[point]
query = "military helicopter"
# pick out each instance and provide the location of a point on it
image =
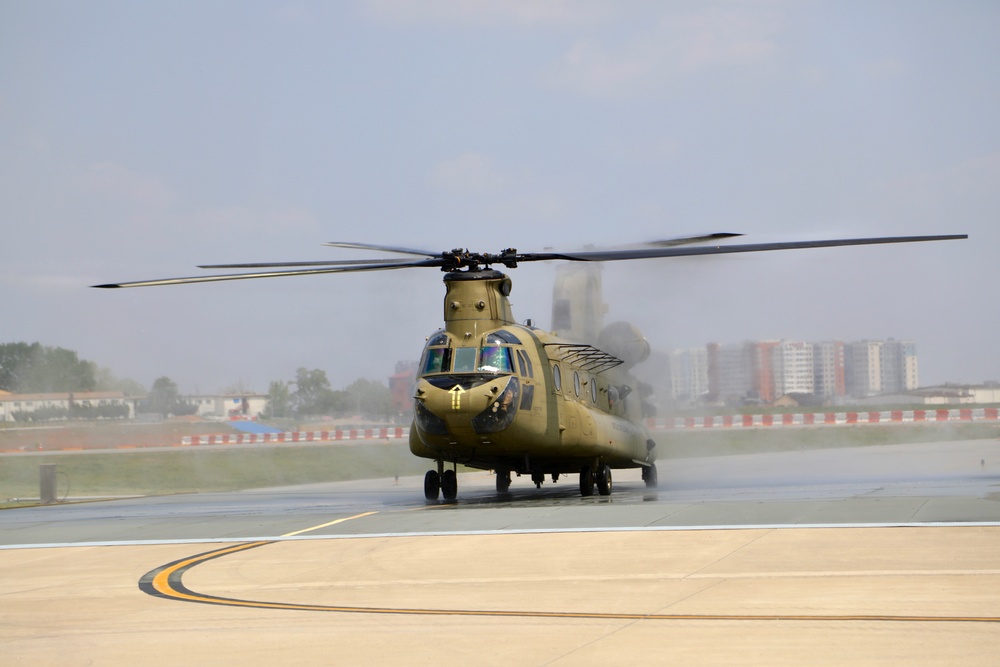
(497, 395)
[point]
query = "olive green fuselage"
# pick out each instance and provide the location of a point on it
(493, 394)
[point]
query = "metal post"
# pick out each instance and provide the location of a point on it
(47, 483)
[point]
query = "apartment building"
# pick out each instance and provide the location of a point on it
(767, 370)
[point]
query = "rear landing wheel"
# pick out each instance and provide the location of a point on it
(649, 476)
(586, 481)
(604, 484)
(503, 481)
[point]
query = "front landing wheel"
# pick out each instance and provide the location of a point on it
(432, 485)
(449, 485)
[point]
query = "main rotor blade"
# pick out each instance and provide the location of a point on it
(650, 253)
(270, 274)
(275, 265)
(684, 240)
(383, 248)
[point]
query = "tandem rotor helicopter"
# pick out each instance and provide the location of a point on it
(497, 395)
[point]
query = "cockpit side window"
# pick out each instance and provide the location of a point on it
(436, 360)
(437, 354)
(520, 363)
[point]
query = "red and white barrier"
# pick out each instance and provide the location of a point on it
(825, 419)
(291, 437)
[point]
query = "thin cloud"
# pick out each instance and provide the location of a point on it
(490, 13)
(469, 173)
(115, 183)
(677, 45)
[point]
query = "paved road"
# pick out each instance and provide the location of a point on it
(756, 559)
(900, 484)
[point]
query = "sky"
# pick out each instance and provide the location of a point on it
(138, 140)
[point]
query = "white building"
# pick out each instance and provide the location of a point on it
(792, 362)
(228, 406)
(61, 405)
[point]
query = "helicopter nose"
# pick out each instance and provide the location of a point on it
(500, 412)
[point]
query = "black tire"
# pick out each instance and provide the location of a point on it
(649, 476)
(503, 481)
(432, 485)
(586, 482)
(604, 484)
(449, 485)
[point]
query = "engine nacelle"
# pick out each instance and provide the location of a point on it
(625, 341)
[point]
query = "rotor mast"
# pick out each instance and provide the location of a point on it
(475, 302)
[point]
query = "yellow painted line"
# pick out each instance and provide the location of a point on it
(329, 523)
(167, 582)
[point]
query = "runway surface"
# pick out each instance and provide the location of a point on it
(875, 555)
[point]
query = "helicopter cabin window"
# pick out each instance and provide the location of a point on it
(557, 378)
(576, 383)
(593, 389)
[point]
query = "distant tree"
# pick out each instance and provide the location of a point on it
(32, 368)
(312, 395)
(279, 400)
(165, 400)
(106, 381)
(371, 399)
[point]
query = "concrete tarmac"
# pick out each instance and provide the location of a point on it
(369, 576)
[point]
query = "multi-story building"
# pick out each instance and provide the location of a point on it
(764, 379)
(863, 367)
(828, 369)
(730, 372)
(899, 366)
(767, 370)
(688, 374)
(793, 368)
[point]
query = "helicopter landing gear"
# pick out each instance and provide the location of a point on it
(598, 475)
(441, 482)
(586, 481)
(503, 481)
(432, 485)
(604, 484)
(538, 478)
(649, 476)
(449, 485)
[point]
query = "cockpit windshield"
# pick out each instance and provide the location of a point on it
(495, 356)
(495, 359)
